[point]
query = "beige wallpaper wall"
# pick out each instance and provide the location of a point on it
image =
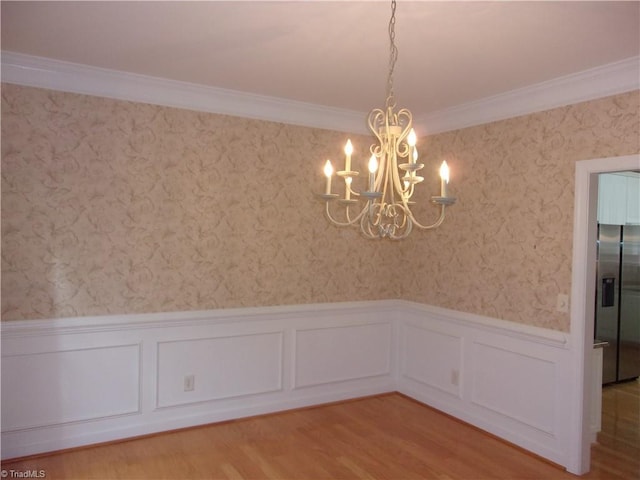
(117, 207)
(506, 248)
(112, 207)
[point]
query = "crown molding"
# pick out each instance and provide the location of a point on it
(28, 70)
(610, 79)
(52, 74)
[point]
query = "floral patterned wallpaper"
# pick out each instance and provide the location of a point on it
(119, 207)
(505, 250)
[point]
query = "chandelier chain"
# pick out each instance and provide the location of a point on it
(393, 56)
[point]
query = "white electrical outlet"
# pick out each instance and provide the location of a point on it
(562, 303)
(189, 383)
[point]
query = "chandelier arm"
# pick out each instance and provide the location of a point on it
(375, 123)
(394, 230)
(406, 220)
(373, 217)
(401, 145)
(437, 223)
(397, 182)
(405, 217)
(366, 224)
(404, 193)
(385, 181)
(409, 191)
(348, 215)
(349, 222)
(405, 232)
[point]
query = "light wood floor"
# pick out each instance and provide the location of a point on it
(383, 437)
(617, 452)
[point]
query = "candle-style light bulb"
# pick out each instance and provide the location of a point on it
(406, 180)
(348, 150)
(373, 167)
(412, 139)
(373, 164)
(328, 171)
(444, 178)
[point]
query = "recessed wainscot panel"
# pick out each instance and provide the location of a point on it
(334, 354)
(432, 358)
(518, 386)
(60, 387)
(207, 369)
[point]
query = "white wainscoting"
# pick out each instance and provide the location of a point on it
(224, 367)
(347, 353)
(30, 402)
(77, 381)
(507, 379)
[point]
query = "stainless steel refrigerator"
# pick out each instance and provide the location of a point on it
(618, 301)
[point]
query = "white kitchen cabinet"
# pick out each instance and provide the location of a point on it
(633, 200)
(619, 198)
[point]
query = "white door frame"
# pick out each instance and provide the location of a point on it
(583, 279)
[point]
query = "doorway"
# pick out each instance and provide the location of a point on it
(583, 279)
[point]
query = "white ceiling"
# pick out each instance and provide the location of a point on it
(334, 54)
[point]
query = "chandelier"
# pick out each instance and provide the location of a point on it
(384, 209)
